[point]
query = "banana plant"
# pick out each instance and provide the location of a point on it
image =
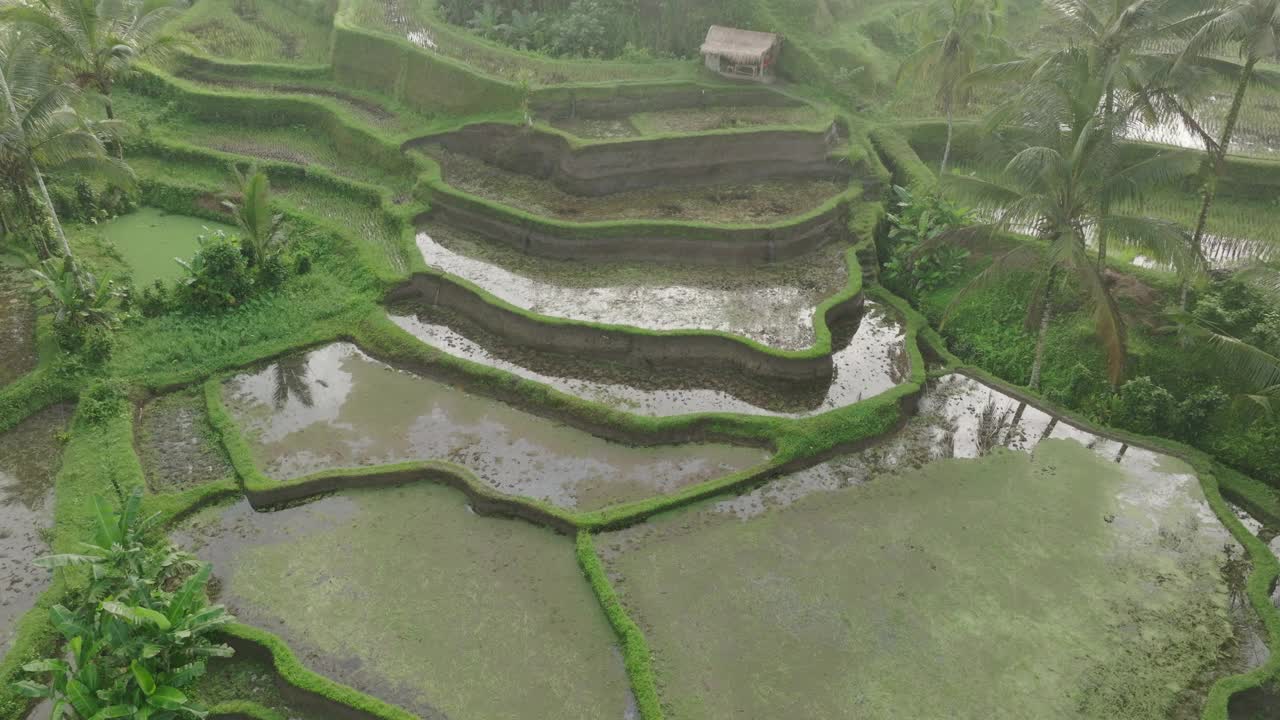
(134, 646)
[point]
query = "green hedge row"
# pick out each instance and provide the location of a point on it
(635, 649)
(908, 169)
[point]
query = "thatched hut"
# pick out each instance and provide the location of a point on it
(741, 53)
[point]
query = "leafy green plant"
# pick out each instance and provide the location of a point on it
(102, 401)
(913, 267)
(218, 275)
(80, 300)
(142, 632)
(263, 233)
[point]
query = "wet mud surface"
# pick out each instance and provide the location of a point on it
(747, 204)
(773, 305)
(1024, 577)
(178, 447)
(870, 359)
(17, 325)
(686, 120)
(597, 129)
(337, 408)
(407, 595)
(30, 455)
(691, 120)
(1224, 253)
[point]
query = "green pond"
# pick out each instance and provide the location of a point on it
(338, 408)
(406, 594)
(908, 581)
(148, 240)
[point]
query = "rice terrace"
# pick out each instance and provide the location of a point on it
(640, 359)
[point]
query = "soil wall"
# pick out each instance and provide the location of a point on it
(645, 241)
(612, 167)
(608, 102)
(633, 347)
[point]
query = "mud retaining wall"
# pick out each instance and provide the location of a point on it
(633, 347)
(482, 500)
(638, 240)
(608, 102)
(605, 168)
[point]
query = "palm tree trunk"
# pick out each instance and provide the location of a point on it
(946, 150)
(1046, 316)
(1108, 110)
(116, 145)
(1215, 163)
(44, 191)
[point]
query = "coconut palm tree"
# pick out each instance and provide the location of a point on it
(1130, 46)
(96, 41)
(41, 132)
(263, 230)
(1064, 175)
(1253, 27)
(953, 34)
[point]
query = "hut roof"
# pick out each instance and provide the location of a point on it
(738, 45)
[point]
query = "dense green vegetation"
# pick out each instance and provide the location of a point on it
(190, 190)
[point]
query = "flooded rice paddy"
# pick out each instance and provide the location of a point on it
(30, 455)
(773, 305)
(338, 408)
(17, 325)
(405, 594)
(742, 204)
(871, 360)
(177, 445)
(966, 568)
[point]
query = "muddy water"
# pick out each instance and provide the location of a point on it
(176, 444)
(1247, 140)
(872, 361)
(1035, 582)
(30, 456)
(773, 305)
(17, 325)
(405, 594)
(337, 408)
(757, 203)
(1224, 253)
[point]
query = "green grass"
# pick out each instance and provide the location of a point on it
(255, 30)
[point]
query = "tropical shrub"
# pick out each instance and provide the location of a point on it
(141, 632)
(911, 266)
(80, 301)
(218, 275)
(102, 401)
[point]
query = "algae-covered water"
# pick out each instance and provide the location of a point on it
(872, 361)
(30, 456)
(17, 325)
(149, 239)
(773, 305)
(338, 408)
(907, 582)
(407, 595)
